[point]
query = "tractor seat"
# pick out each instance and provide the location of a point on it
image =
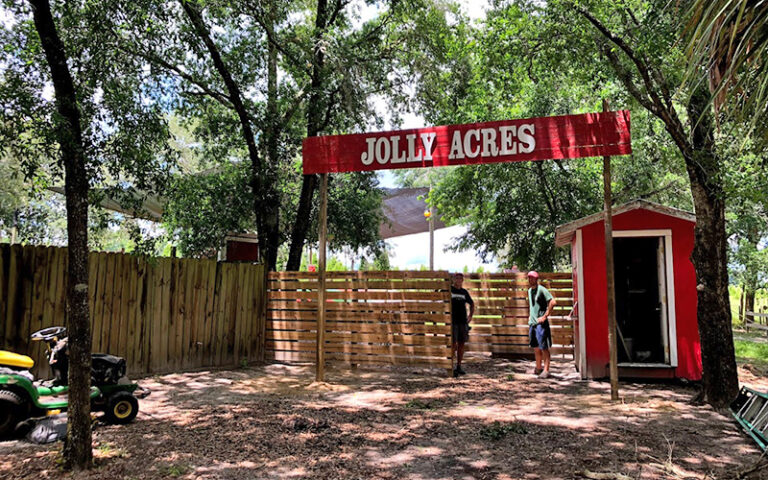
(14, 360)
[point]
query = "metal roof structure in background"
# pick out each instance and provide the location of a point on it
(403, 210)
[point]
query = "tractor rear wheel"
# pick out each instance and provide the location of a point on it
(11, 412)
(122, 407)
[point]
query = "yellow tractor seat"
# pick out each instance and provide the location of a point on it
(10, 359)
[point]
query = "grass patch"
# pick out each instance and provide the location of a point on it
(174, 470)
(418, 405)
(751, 351)
(498, 430)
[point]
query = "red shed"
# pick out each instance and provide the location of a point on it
(658, 334)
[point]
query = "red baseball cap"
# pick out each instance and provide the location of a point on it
(533, 273)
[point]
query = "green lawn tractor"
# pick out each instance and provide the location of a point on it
(21, 397)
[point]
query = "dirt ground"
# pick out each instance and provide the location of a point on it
(498, 422)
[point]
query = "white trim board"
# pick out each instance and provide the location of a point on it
(580, 310)
(668, 259)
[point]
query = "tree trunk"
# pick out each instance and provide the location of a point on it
(77, 448)
(271, 204)
(710, 259)
(749, 300)
(314, 120)
(266, 199)
(741, 305)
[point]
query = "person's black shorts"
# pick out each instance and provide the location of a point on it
(460, 332)
(540, 336)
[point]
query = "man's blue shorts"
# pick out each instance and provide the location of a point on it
(540, 336)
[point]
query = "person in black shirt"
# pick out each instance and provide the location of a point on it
(459, 319)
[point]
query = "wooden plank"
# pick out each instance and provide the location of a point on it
(291, 346)
(312, 284)
(389, 349)
(390, 360)
(201, 290)
(520, 276)
(188, 350)
(522, 349)
(27, 285)
(262, 314)
(232, 312)
(137, 331)
(60, 305)
(557, 339)
(400, 318)
(280, 356)
(185, 290)
(5, 250)
(291, 325)
(105, 314)
(97, 314)
(292, 275)
(127, 326)
(219, 318)
(395, 338)
(389, 327)
(239, 314)
(370, 284)
(392, 274)
(49, 305)
(169, 268)
(248, 308)
(376, 307)
(11, 318)
(154, 309)
(113, 325)
(118, 321)
(40, 273)
(208, 315)
(277, 315)
(290, 335)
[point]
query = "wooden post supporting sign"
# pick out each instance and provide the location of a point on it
(609, 273)
(323, 235)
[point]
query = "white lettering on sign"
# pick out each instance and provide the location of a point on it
(456, 151)
(484, 142)
(525, 135)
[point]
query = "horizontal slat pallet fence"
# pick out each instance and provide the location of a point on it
(400, 318)
(160, 314)
(500, 323)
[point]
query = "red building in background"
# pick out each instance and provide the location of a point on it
(658, 335)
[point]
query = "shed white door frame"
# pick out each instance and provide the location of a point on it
(581, 315)
(668, 297)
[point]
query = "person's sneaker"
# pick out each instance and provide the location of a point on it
(456, 373)
(460, 371)
(544, 374)
(537, 371)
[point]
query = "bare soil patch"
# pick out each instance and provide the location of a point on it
(498, 422)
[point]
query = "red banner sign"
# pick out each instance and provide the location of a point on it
(546, 138)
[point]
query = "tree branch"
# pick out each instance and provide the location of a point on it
(152, 58)
(329, 108)
(666, 113)
(297, 63)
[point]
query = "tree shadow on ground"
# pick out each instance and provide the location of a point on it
(498, 422)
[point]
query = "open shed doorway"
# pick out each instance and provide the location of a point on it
(642, 299)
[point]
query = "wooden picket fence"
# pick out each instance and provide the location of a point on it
(500, 324)
(401, 317)
(371, 317)
(160, 314)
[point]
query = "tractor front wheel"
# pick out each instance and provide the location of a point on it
(122, 407)
(11, 412)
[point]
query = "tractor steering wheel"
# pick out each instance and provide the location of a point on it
(48, 334)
